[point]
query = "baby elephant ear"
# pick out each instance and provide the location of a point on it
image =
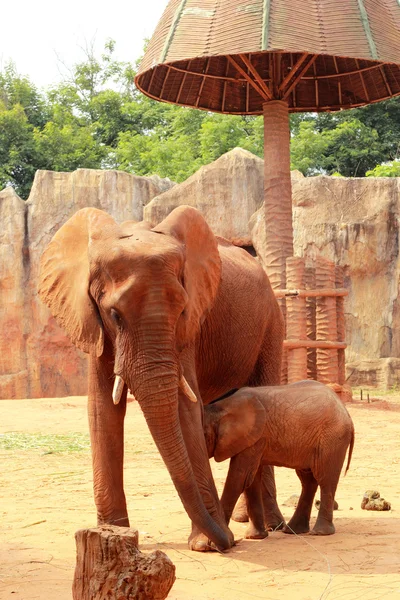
(64, 278)
(242, 424)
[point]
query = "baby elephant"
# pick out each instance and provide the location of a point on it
(303, 426)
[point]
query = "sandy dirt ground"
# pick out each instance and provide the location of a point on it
(45, 496)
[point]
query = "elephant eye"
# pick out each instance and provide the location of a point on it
(115, 317)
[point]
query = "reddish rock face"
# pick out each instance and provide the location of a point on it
(36, 357)
(354, 222)
(14, 273)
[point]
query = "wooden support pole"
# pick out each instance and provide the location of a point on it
(277, 192)
(296, 320)
(109, 566)
(341, 325)
(311, 324)
(326, 322)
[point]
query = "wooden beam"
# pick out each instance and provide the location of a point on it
(180, 88)
(362, 81)
(347, 73)
(323, 292)
(382, 70)
(202, 83)
(293, 71)
(249, 79)
(164, 82)
(209, 75)
(319, 344)
(312, 59)
(256, 75)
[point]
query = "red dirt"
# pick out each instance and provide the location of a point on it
(45, 498)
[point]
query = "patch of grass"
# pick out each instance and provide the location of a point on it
(374, 392)
(47, 444)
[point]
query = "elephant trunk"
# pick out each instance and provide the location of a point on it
(155, 386)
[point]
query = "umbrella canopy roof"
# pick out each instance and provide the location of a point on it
(232, 56)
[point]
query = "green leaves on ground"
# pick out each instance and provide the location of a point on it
(96, 118)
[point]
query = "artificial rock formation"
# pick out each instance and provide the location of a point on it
(37, 359)
(227, 192)
(14, 275)
(353, 222)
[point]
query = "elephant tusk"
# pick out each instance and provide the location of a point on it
(187, 390)
(118, 389)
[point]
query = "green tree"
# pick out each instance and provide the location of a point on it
(68, 147)
(352, 149)
(307, 149)
(391, 169)
(18, 153)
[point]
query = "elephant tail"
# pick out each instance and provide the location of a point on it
(350, 449)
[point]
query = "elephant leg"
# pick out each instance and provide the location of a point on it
(267, 372)
(274, 519)
(328, 483)
(243, 476)
(256, 529)
(300, 522)
(106, 424)
(240, 513)
(191, 418)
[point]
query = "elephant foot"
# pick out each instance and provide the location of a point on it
(252, 533)
(297, 527)
(120, 521)
(198, 542)
(240, 511)
(323, 528)
(275, 525)
(274, 519)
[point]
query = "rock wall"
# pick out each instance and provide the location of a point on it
(354, 222)
(14, 270)
(36, 358)
(227, 191)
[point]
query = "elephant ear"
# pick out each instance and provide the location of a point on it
(240, 425)
(64, 278)
(202, 270)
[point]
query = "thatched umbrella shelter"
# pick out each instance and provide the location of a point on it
(272, 57)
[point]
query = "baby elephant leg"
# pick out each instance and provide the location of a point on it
(324, 523)
(273, 517)
(328, 475)
(253, 494)
(243, 468)
(300, 522)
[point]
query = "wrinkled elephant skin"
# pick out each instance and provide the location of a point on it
(179, 316)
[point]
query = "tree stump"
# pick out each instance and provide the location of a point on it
(109, 566)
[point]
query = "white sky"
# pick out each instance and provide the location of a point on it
(34, 32)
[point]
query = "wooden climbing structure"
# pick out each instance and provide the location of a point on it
(313, 304)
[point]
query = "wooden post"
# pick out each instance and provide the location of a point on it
(296, 319)
(109, 566)
(341, 325)
(327, 361)
(311, 324)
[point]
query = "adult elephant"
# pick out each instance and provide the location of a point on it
(175, 315)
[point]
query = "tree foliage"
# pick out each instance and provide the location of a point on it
(96, 118)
